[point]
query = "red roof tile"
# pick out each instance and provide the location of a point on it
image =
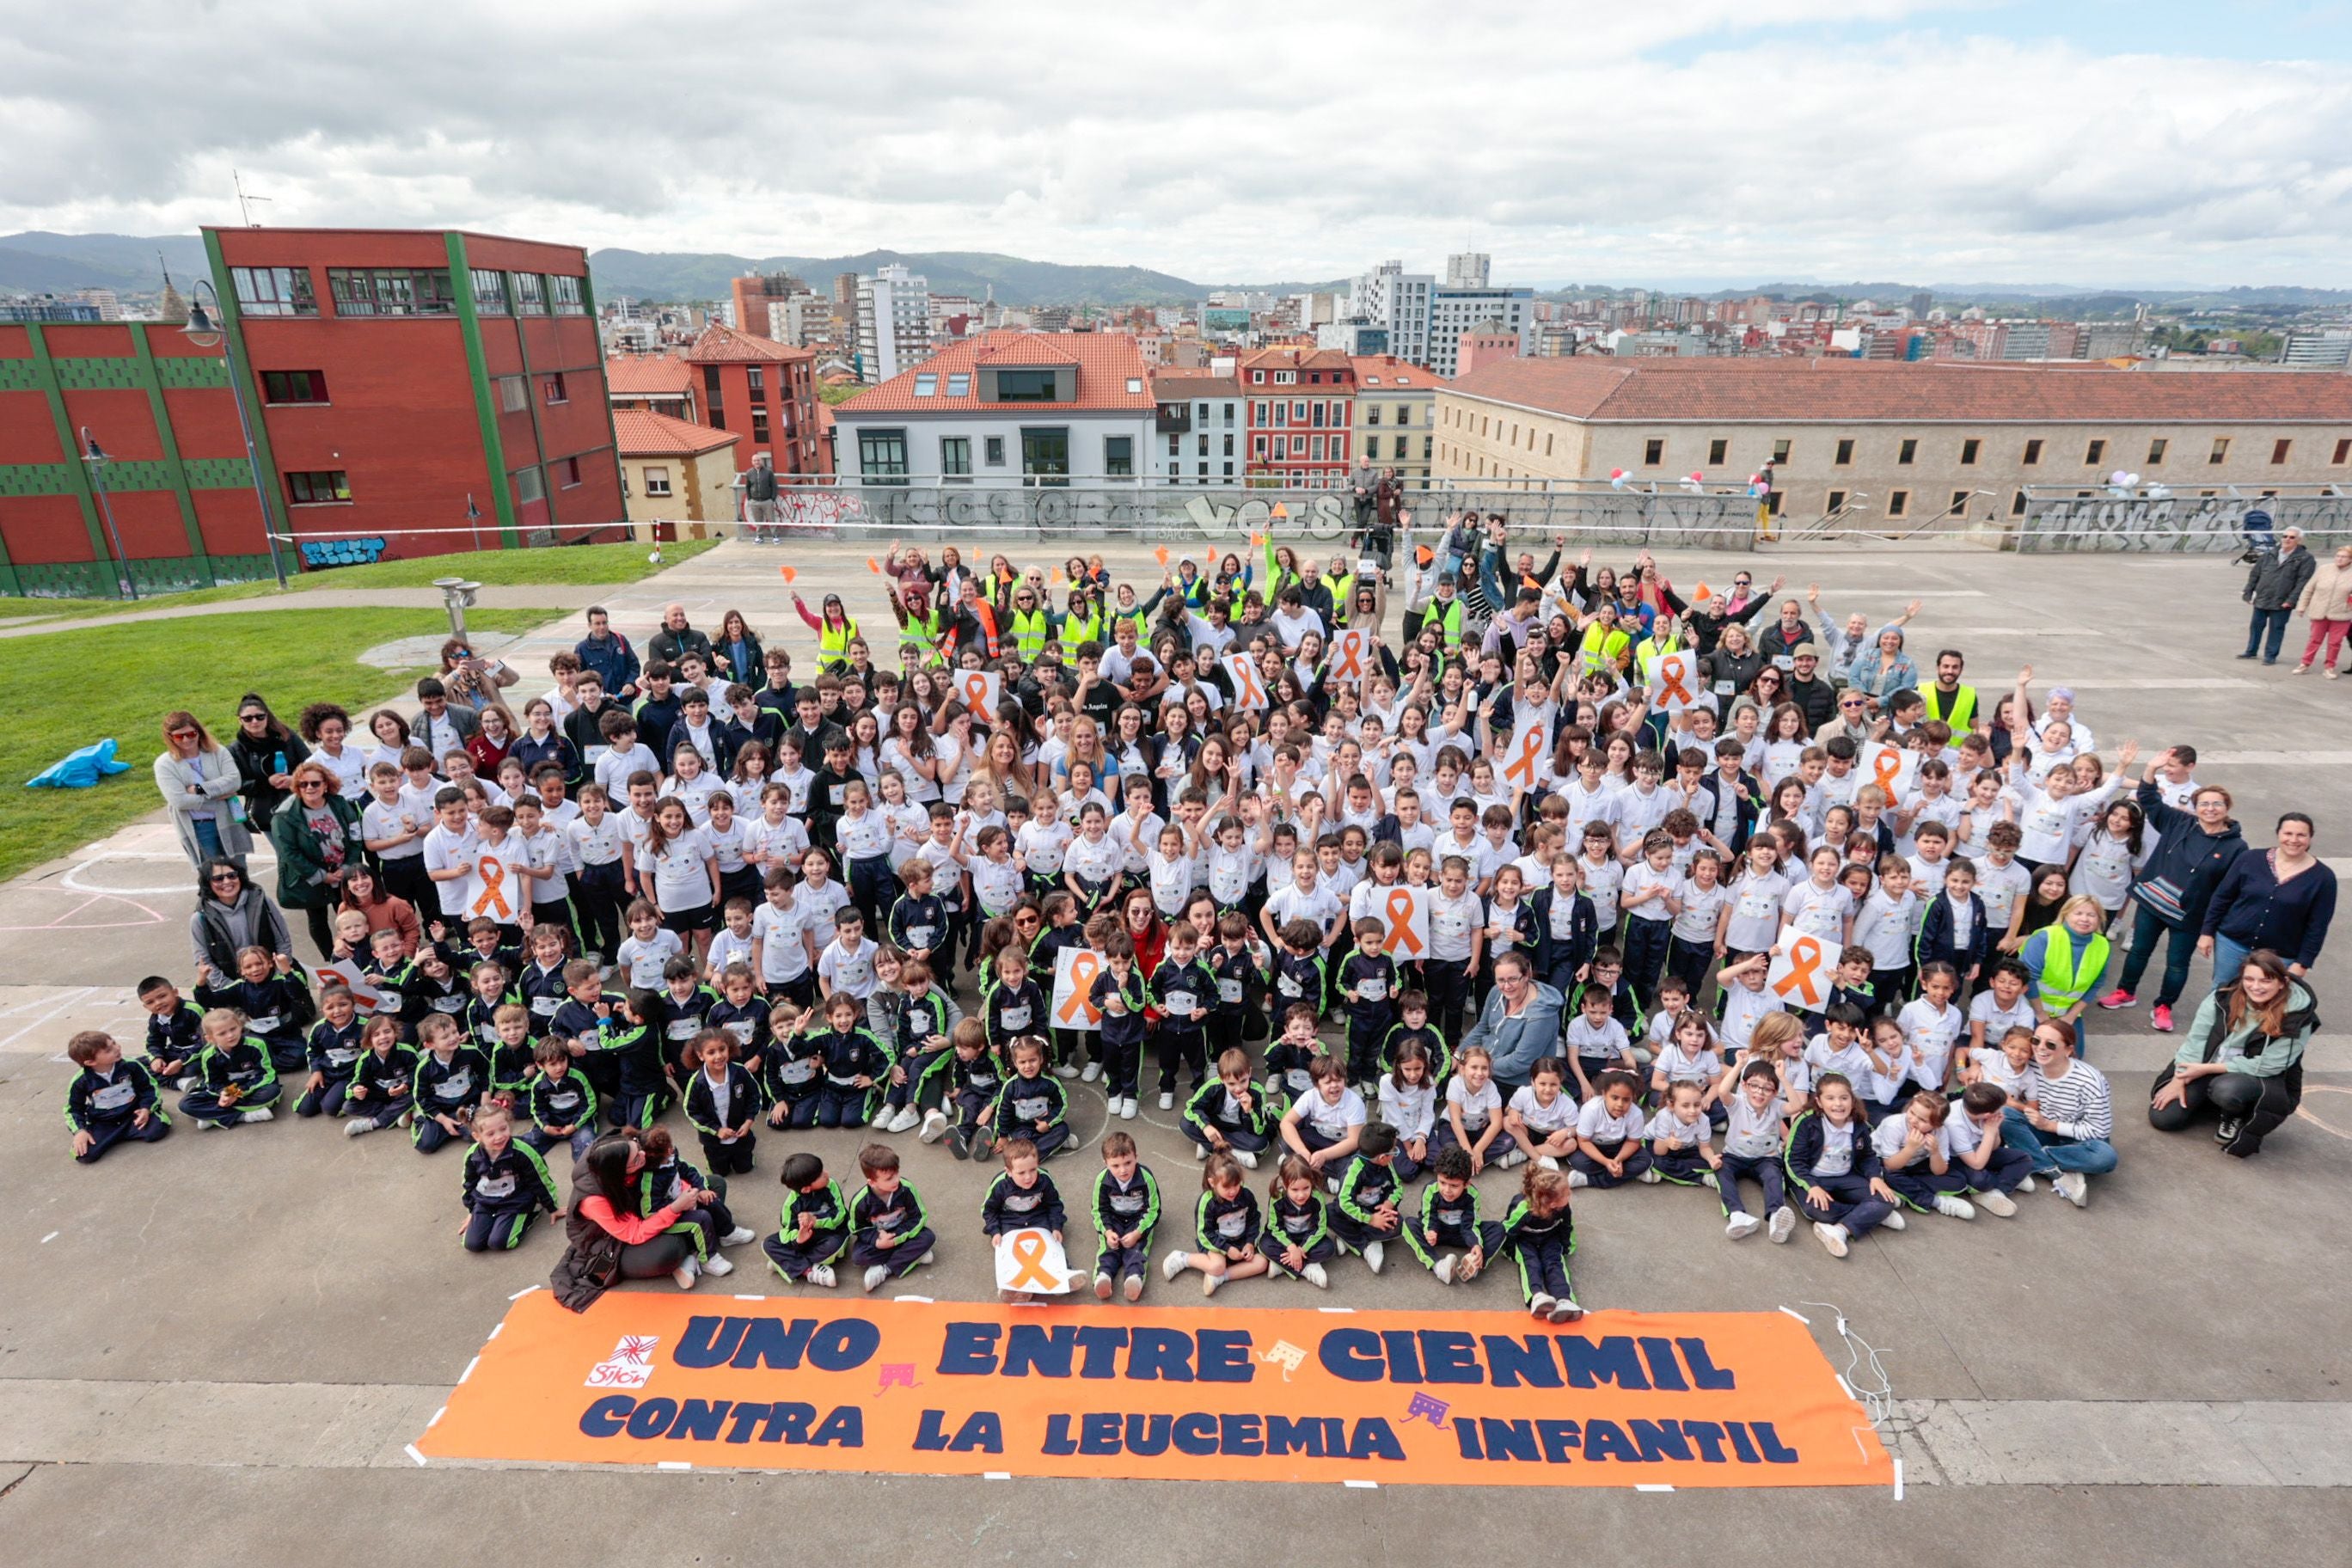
(1658, 391)
(642, 434)
(1109, 365)
(648, 375)
(724, 345)
(1386, 373)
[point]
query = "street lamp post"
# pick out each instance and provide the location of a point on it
(98, 459)
(204, 331)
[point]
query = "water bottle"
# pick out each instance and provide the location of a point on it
(277, 762)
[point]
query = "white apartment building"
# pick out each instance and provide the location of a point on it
(1397, 301)
(1425, 319)
(1006, 408)
(894, 322)
(1454, 312)
(1199, 434)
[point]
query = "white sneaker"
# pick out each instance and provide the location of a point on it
(1065, 1070)
(1547, 1163)
(822, 1275)
(1540, 1307)
(2026, 1185)
(1127, 1109)
(875, 1275)
(1171, 1265)
(935, 1126)
(1314, 1274)
(739, 1236)
(258, 1114)
(1782, 1226)
(1650, 1177)
(1566, 1311)
(1167, 1100)
(1893, 1222)
(1997, 1203)
(1091, 1071)
(1955, 1206)
(905, 1120)
(1832, 1237)
(2072, 1185)
(1578, 1179)
(922, 1262)
(207, 1125)
(881, 1123)
(685, 1274)
(1201, 1152)
(1244, 1158)
(190, 1082)
(1333, 1183)
(359, 1126)
(1444, 1270)
(717, 1267)
(1133, 1289)
(1209, 1283)
(1707, 1179)
(1742, 1225)
(1374, 1254)
(1102, 1286)
(1512, 1157)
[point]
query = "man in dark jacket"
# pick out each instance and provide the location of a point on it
(1807, 689)
(2271, 588)
(608, 653)
(677, 639)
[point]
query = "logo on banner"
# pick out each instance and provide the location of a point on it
(1801, 973)
(631, 1362)
(488, 890)
(1075, 969)
(1032, 1260)
(1249, 692)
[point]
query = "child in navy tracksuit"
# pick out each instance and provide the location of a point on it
(1540, 1236)
(1120, 995)
(1298, 1239)
(856, 1065)
(1186, 993)
(1368, 987)
(175, 1033)
(237, 1082)
(452, 1078)
(1566, 929)
(1022, 1198)
(1229, 1115)
(334, 1051)
(1032, 1105)
(974, 1076)
(889, 1236)
(270, 991)
(1367, 1216)
(110, 1100)
(383, 1081)
(791, 1071)
(505, 1182)
(1226, 1226)
(722, 1102)
(1834, 1171)
(1126, 1210)
(1449, 1219)
(814, 1232)
(559, 1105)
(1952, 927)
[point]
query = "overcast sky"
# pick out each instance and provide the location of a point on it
(2095, 142)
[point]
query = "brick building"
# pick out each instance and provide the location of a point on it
(764, 391)
(1301, 408)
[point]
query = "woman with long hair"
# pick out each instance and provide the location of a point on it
(2242, 1058)
(200, 784)
(365, 892)
(614, 1231)
(266, 752)
(746, 660)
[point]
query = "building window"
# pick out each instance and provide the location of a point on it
(2156, 453)
(882, 456)
(1257, 378)
(1717, 450)
(530, 486)
(1908, 451)
(2343, 451)
(1298, 413)
(1844, 453)
(657, 482)
(2220, 453)
(1281, 447)
(2017, 504)
(1780, 452)
(514, 395)
(959, 384)
(1654, 452)
(2279, 449)
(1119, 456)
(566, 296)
(1316, 453)
(1257, 446)
(927, 384)
(1837, 503)
(1899, 503)
(490, 293)
(1403, 414)
(273, 290)
(551, 386)
(1229, 470)
(2032, 453)
(391, 291)
(1201, 445)
(1024, 386)
(2094, 454)
(1960, 503)
(955, 457)
(1229, 413)
(759, 423)
(293, 387)
(1285, 378)
(1969, 449)
(993, 451)
(569, 471)
(757, 380)
(1229, 446)
(1371, 448)
(1046, 456)
(318, 486)
(713, 389)
(528, 292)
(1372, 413)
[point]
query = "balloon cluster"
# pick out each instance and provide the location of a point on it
(1696, 483)
(1618, 477)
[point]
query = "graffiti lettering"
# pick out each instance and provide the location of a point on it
(2198, 526)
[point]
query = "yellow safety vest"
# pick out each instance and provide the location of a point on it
(921, 633)
(832, 644)
(1963, 706)
(2066, 976)
(1447, 616)
(1076, 632)
(1030, 629)
(1599, 650)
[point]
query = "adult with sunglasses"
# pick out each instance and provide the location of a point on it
(232, 914)
(266, 753)
(203, 789)
(317, 837)
(2242, 1058)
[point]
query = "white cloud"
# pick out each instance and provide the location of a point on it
(1887, 139)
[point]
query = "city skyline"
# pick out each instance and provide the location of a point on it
(2092, 145)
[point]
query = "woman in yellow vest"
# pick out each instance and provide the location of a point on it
(1602, 647)
(2067, 959)
(1082, 622)
(1031, 623)
(834, 631)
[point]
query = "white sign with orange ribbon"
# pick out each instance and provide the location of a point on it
(1529, 750)
(1351, 653)
(1075, 969)
(493, 890)
(1249, 690)
(1675, 678)
(1891, 768)
(981, 690)
(1801, 974)
(1405, 913)
(345, 973)
(1032, 1260)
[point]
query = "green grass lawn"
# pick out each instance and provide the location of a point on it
(574, 564)
(74, 688)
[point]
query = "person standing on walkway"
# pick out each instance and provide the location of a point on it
(2194, 850)
(2274, 587)
(2281, 899)
(2326, 601)
(200, 783)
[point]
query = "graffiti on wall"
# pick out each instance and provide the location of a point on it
(321, 554)
(2175, 525)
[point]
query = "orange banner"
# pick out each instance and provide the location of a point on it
(1741, 1399)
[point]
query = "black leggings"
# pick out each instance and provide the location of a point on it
(2257, 1104)
(321, 917)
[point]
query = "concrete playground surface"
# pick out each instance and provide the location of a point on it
(220, 1348)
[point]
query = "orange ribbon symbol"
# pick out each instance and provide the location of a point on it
(1247, 693)
(1804, 963)
(493, 874)
(1351, 658)
(1084, 967)
(1886, 766)
(975, 688)
(1400, 903)
(1672, 672)
(1029, 1250)
(1521, 770)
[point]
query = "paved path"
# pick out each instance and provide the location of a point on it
(202, 1344)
